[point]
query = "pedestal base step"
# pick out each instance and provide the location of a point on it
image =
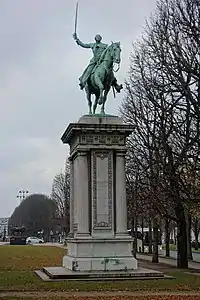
(62, 273)
(99, 264)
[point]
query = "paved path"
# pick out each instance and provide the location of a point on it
(168, 261)
(3, 243)
(196, 255)
(49, 244)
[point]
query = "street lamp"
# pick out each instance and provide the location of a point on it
(22, 195)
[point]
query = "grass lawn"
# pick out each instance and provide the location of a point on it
(17, 264)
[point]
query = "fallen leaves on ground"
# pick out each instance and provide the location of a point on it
(121, 297)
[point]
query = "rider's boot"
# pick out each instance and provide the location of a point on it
(81, 86)
(117, 86)
(82, 83)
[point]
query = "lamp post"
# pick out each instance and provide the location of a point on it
(22, 194)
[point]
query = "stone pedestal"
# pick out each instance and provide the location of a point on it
(99, 239)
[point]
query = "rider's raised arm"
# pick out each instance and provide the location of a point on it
(83, 44)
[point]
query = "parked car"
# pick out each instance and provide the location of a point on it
(34, 240)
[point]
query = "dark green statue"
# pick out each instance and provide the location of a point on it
(98, 77)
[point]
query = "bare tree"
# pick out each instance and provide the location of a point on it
(61, 196)
(162, 101)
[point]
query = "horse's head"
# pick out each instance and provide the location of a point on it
(115, 52)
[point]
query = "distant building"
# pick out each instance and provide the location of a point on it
(4, 225)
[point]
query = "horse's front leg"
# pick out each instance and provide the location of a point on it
(88, 93)
(104, 100)
(95, 103)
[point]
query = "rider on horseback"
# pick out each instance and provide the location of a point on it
(97, 48)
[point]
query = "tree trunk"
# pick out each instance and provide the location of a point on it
(189, 228)
(133, 235)
(167, 237)
(142, 225)
(150, 236)
(175, 236)
(196, 233)
(182, 258)
(155, 243)
(136, 229)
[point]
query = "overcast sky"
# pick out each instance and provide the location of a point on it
(39, 93)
